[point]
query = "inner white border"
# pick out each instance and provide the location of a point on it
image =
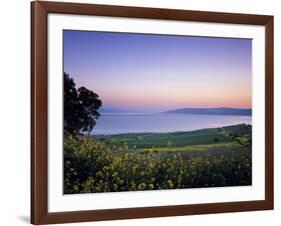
(59, 202)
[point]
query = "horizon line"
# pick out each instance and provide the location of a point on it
(124, 110)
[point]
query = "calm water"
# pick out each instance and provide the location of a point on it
(140, 123)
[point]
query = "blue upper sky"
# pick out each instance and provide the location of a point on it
(160, 72)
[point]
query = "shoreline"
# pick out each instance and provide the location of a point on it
(172, 132)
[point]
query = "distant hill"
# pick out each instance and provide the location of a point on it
(111, 110)
(212, 111)
(116, 110)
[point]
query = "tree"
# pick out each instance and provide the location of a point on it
(80, 107)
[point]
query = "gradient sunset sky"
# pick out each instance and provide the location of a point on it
(141, 72)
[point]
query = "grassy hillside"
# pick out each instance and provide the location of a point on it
(153, 161)
(224, 135)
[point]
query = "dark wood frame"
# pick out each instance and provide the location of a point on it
(39, 107)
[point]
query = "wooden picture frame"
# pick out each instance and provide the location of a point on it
(39, 112)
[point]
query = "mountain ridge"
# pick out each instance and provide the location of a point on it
(212, 111)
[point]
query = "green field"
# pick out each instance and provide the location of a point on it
(152, 161)
(237, 136)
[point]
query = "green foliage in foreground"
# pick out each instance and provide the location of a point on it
(92, 165)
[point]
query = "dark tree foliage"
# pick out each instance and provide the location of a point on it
(80, 107)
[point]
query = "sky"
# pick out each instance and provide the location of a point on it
(149, 72)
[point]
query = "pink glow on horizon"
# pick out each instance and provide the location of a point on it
(173, 97)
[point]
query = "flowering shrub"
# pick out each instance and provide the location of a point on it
(92, 165)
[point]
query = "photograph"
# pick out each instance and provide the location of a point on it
(149, 111)
(155, 111)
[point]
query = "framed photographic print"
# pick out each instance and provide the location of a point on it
(147, 112)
